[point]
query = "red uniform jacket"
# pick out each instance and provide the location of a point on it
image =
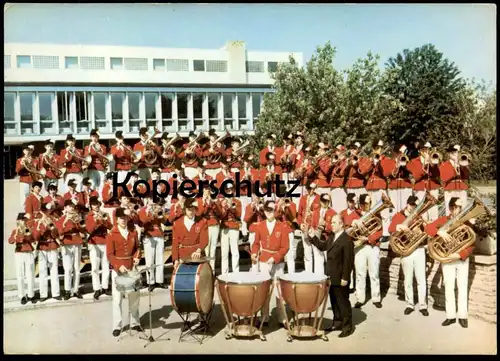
(338, 175)
(197, 179)
(24, 175)
(23, 244)
(172, 155)
(132, 219)
(75, 197)
(303, 205)
(107, 196)
(216, 151)
(322, 178)
(232, 160)
(221, 177)
(211, 212)
(96, 160)
(397, 179)
(253, 217)
(287, 152)
(276, 170)
(72, 164)
(287, 216)
(316, 214)
(139, 146)
(376, 179)
(349, 217)
(250, 174)
(123, 158)
(97, 229)
(307, 173)
(432, 229)
(69, 231)
(273, 245)
(49, 174)
(121, 251)
(185, 242)
(453, 180)
(424, 180)
(46, 237)
(398, 218)
(86, 194)
(33, 205)
(262, 155)
(355, 176)
(231, 216)
(198, 152)
(152, 226)
(57, 206)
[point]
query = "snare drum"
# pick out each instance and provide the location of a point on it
(192, 288)
(128, 282)
(303, 292)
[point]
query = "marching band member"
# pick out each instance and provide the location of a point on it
(53, 201)
(25, 177)
(50, 162)
(110, 202)
(340, 261)
(23, 238)
(177, 208)
(269, 250)
(192, 152)
(151, 218)
(123, 156)
(268, 174)
(134, 177)
(70, 227)
(225, 173)
(248, 173)
(286, 213)
(202, 176)
(147, 147)
(353, 171)
(307, 203)
(189, 234)
(298, 151)
(130, 209)
(123, 252)
(456, 270)
(285, 159)
(72, 159)
(233, 158)
(33, 202)
(98, 224)
(367, 260)
(351, 212)
(399, 187)
(100, 162)
(304, 172)
(230, 231)
(211, 212)
(454, 173)
(87, 192)
(270, 148)
(425, 171)
(46, 235)
(414, 263)
(254, 214)
(74, 196)
(168, 156)
(338, 192)
(213, 154)
(323, 169)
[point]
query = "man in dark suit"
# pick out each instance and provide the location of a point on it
(339, 265)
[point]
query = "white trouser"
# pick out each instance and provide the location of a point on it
(229, 240)
(356, 191)
(433, 213)
(414, 264)
(459, 271)
(450, 194)
(121, 175)
(71, 256)
(245, 201)
(98, 178)
(133, 304)
(251, 240)
(24, 192)
(275, 271)
(48, 261)
(367, 260)
(376, 196)
(211, 249)
(323, 190)
(399, 197)
(312, 252)
(153, 255)
(99, 260)
(78, 177)
(190, 172)
(292, 253)
(339, 199)
(25, 272)
(212, 172)
(166, 176)
(144, 173)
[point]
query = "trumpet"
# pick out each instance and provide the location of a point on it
(85, 160)
(37, 175)
(101, 216)
(464, 159)
(75, 218)
(105, 159)
(136, 156)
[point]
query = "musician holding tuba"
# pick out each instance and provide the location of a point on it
(455, 266)
(192, 153)
(454, 173)
(398, 175)
(100, 162)
(149, 152)
(124, 157)
(168, 155)
(415, 262)
(23, 239)
(50, 162)
(214, 152)
(75, 163)
(24, 168)
(98, 225)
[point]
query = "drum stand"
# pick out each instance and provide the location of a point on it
(193, 329)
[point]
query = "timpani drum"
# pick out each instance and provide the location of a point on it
(304, 293)
(243, 294)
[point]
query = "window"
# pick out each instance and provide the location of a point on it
(117, 106)
(177, 65)
(272, 66)
(45, 62)
(213, 106)
(24, 61)
(199, 65)
(9, 100)
(256, 100)
(198, 105)
(159, 64)
(166, 105)
(242, 105)
(63, 106)
(182, 105)
(92, 62)
(134, 99)
(82, 110)
(150, 102)
(255, 66)
(71, 62)
(116, 63)
(6, 61)
(228, 104)
(100, 106)
(45, 106)
(217, 66)
(136, 63)
(26, 100)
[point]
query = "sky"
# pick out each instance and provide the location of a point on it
(465, 34)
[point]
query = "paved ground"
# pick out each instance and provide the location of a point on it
(86, 328)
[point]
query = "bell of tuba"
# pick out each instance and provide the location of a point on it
(462, 236)
(31, 168)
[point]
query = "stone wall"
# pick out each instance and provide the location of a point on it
(482, 283)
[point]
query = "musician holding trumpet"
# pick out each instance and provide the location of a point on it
(100, 160)
(400, 186)
(75, 163)
(123, 156)
(25, 167)
(454, 173)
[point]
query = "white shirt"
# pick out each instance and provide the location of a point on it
(188, 222)
(270, 226)
(349, 211)
(322, 213)
(123, 232)
(337, 235)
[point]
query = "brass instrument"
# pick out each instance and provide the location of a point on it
(194, 142)
(245, 144)
(75, 218)
(48, 157)
(22, 229)
(136, 156)
(223, 137)
(30, 167)
(461, 235)
(308, 215)
(85, 160)
(157, 211)
(404, 243)
(102, 216)
(105, 159)
(369, 223)
(318, 157)
(402, 161)
(464, 159)
(150, 155)
(168, 157)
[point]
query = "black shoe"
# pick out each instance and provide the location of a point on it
(347, 332)
(352, 290)
(43, 299)
(59, 298)
(32, 299)
(107, 291)
(424, 312)
(66, 296)
(78, 295)
(97, 294)
(377, 304)
(463, 322)
(282, 325)
(24, 301)
(408, 310)
(137, 328)
(358, 305)
(264, 324)
(448, 322)
(151, 288)
(117, 332)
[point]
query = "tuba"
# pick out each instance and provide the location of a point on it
(30, 167)
(462, 235)
(404, 243)
(85, 160)
(370, 222)
(168, 156)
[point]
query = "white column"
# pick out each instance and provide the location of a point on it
(190, 112)
(36, 114)
(126, 120)
(205, 115)
(235, 111)
(174, 114)
(159, 118)
(220, 112)
(142, 108)
(108, 112)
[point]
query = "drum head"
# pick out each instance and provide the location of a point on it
(303, 277)
(196, 261)
(206, 287)
(244, 278)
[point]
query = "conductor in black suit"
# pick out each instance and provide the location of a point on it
(339, 265)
